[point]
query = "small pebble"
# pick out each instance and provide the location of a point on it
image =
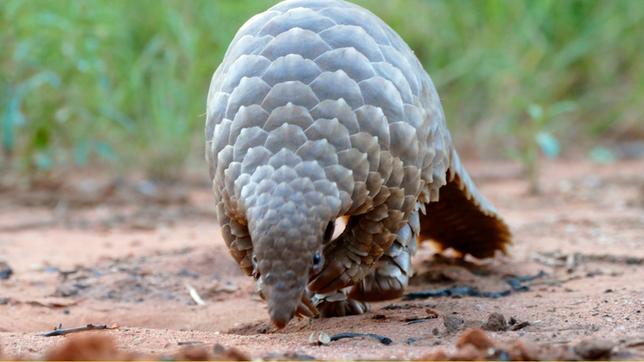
(5, 271)
(319, 339)
(453, 324)
(495, 322)
(592, 349)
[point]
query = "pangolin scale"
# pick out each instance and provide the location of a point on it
(319, 110)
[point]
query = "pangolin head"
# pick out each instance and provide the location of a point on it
(284, 273)
(289, 214)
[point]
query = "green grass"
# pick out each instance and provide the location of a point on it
(122, 84)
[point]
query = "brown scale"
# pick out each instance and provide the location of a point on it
(456, 222)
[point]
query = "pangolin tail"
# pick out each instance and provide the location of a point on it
(462, 218)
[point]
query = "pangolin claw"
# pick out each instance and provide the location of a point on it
(306, 308)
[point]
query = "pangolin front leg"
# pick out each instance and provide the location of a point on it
(369, 236)
(391, 274)
(352, 255)
(386, 280)
(338, 304)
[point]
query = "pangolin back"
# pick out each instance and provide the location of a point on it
(324, 104)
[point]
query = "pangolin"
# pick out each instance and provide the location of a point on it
(320, 111)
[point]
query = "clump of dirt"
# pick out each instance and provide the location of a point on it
(288, 356)
(88, 347)
(202, 353)
(594, 349)
(97, 347)
(474, 345)
(476, 338)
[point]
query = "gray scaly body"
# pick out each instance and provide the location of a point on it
(320, 110)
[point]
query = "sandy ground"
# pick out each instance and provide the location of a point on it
(98, 254)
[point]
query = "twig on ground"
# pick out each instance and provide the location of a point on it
(614, 259)
(195, 295)
(58, 331)
(415, 320)
(516, 285)
(382, 339)
(557, 282)
(456, 292)
(547, 260)
(404, 306)
(558, 259)
(431, 314)
(635, 344)
(189, 343)
(517, 282)
(519, 326)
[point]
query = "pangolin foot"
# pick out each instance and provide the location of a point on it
(338, 305)
(375, 288)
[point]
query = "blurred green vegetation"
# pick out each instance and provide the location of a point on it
(122, 84)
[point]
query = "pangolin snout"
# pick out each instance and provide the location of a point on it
(287, 248)
(280, 316)
(283, 299)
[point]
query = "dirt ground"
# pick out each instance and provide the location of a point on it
(125, 254)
